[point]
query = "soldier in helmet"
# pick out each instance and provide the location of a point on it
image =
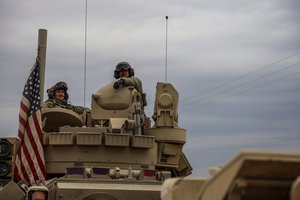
(125, 75)
(58, 97)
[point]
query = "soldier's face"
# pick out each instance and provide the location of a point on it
(124, 73)
(59, 94)
(38, 195)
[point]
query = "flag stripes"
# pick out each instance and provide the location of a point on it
(30, 162)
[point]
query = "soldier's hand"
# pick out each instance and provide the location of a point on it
(118, 83)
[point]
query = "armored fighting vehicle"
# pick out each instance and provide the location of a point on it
(114, 153)
(110, 153)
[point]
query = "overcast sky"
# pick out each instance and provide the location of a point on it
(234, 63)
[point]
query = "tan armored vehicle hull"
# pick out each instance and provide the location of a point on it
(252, 175)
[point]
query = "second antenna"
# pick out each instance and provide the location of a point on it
(166, 59)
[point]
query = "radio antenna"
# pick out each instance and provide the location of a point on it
(166, 61)
(85, 41)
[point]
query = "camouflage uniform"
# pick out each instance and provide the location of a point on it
(54, 103)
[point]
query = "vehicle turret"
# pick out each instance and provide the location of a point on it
(116, 134)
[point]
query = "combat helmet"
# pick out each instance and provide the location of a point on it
(58, 86)
(123, 65)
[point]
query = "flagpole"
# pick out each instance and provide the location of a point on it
(42, 46)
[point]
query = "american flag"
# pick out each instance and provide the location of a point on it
(30, 161)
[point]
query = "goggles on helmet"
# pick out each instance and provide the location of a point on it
(121, 66)
(61, 85)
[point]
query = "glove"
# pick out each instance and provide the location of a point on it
(118, 83)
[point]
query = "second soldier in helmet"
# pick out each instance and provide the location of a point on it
(58, 97)
(125, 75)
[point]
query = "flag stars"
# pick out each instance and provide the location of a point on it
(32, 90)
